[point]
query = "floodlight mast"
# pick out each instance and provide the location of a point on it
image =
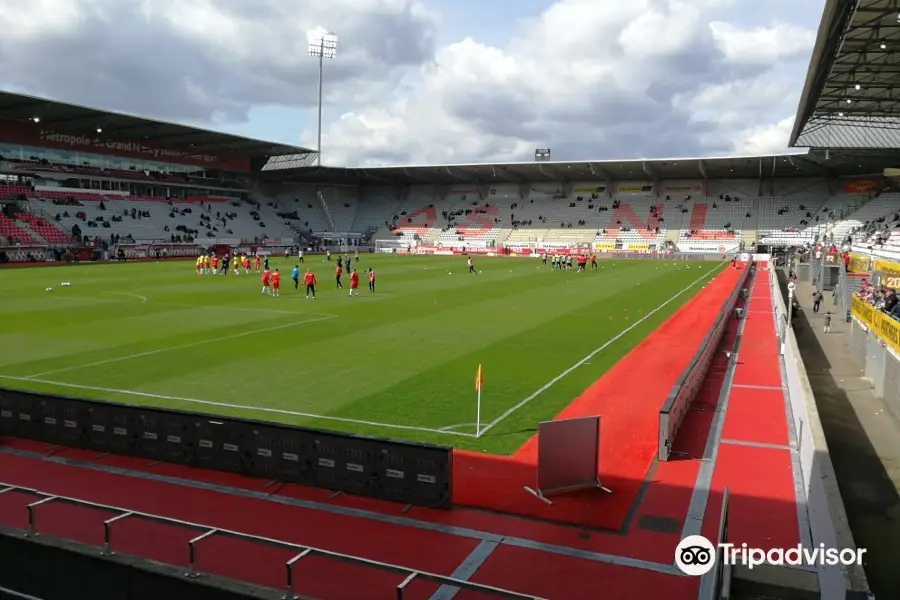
(322, 45)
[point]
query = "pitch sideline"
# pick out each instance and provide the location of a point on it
(243, 407)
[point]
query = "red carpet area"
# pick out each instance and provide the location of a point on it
(746, 438)
(628, 402)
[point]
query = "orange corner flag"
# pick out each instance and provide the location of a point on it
(479, 380)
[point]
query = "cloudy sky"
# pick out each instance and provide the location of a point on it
(428, 81)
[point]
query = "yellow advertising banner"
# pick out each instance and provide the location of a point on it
(604, 245)
(638, 246)
(859, 263)
(884, 327)
(888, 280)
(886, 266)
(589, 189)
(635, 189)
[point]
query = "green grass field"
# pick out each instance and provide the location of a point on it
(398, 364)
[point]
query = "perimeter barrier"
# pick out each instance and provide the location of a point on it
(54, 568)
(875, 345)
(405, 472)
(826, 518)
(688, 384)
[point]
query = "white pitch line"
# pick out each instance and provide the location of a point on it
(239, 308)
(234, 336)
(263, 409)
(457, 426)
(143, 299)
(584, 360)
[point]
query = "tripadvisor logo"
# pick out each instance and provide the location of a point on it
(695, 555)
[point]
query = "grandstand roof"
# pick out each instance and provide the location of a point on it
(849, 98)
(71, 118)
(816, 163)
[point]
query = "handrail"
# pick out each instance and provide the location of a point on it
(7, 593)
(209, 531)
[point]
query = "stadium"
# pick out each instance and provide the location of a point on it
(566, 368)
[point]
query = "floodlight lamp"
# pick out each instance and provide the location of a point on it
(322, 43)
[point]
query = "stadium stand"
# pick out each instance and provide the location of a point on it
(871, 217)
(54, 215)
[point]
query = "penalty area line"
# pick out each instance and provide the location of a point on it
(594, 353)
(243, 407)
(234, 336)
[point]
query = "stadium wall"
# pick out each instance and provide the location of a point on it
(827, 519)
(398, 471)
(688, 385)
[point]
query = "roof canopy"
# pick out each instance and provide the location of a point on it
(850, 97)
(817, 163)
(70, 118)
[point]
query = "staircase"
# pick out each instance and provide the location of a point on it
(328, 218)
(431, 237)
(750, 227)
(504, 235)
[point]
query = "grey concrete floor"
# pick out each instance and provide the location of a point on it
(863, 439)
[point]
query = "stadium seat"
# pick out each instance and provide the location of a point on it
(15, 234)
(43, 228)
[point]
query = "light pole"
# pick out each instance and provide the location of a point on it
(322, 45)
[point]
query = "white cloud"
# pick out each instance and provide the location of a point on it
(589, 79)
(762, 139)
(206, 60)
(762, 45)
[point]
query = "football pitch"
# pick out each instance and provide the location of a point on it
(399, 363)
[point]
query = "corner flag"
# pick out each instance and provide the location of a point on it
(479, 380)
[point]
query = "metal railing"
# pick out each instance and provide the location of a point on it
(209, 532)
(6, 594)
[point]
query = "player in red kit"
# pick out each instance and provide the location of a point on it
(354, 283)
(215, 264)
(337, 275)
(309, 280)
(256, 260)
(276, 283)
(265, 282)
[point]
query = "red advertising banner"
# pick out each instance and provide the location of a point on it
(16, 132)
(863, 185)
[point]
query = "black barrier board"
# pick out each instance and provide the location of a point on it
(343, 463)
(207, 436)
(124, 429)
(175, 435)
(98, 427)
(70, 430)
(405, 472)
(148, 433)
(413, 474)
(26, 417)
(282, 454)
(7, 413)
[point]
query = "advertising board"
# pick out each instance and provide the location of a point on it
(28, 134)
